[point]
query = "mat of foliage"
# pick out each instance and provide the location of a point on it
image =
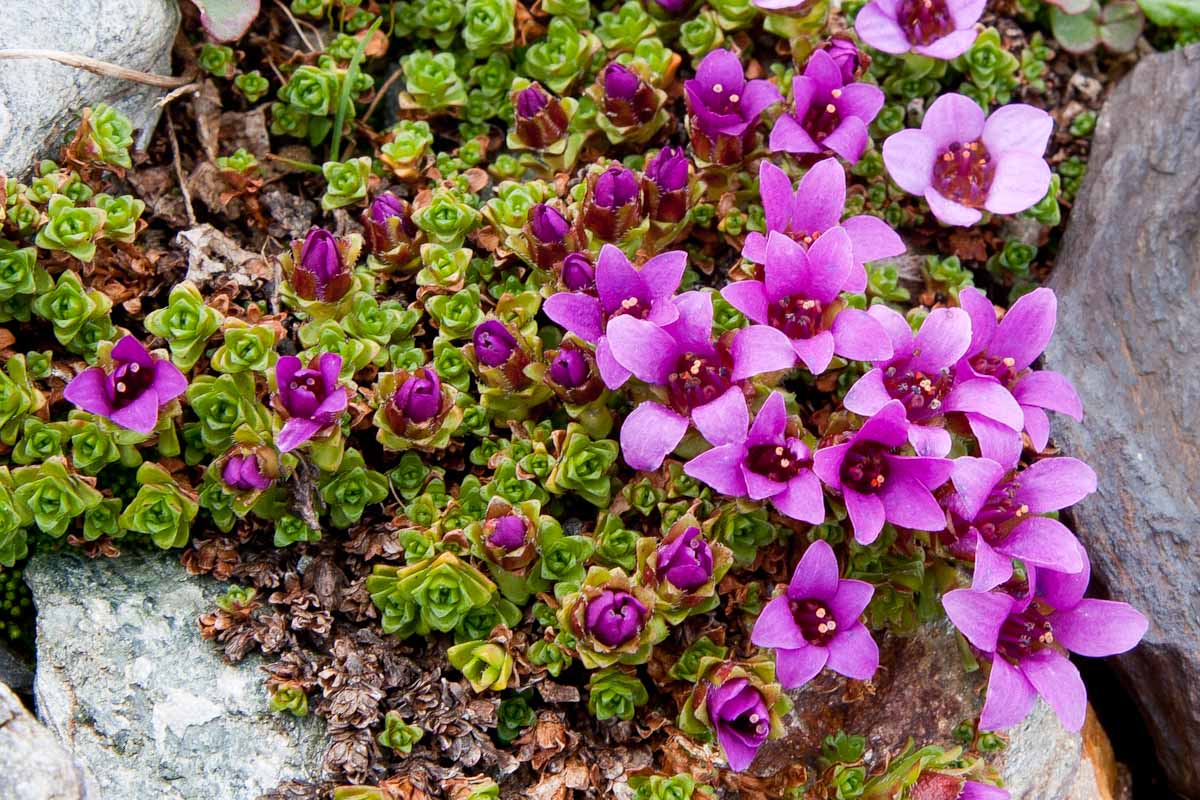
(557, 384)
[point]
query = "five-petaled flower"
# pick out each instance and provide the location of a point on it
(1028, 637)
(829, 113)
(942, 29)
(725, 108)
(963, 163)
(133, 391)
(815, 624)
(310, 398)
(760, 461)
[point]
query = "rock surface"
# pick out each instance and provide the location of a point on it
(14, 672)
(1128, 313)
(147, 706)
(33, 765)
(922, 691)
(40, 100)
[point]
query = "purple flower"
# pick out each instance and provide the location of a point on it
(686, 562)
(614, 617)
(493, 343)
(389, 229)
(740, 717)
(508, 532)
(814, 208)
(797, 313)
(311, 398)
(675, 7)
(242, 473)
(132, 392)
(994, 514)
(922, 375)
(880, 486)
(319, 272)
(541, 119)
(1004, 352)
(387, 206)
(829, 114)
(815, 625)
(577, 272)
(761, 461)
(942, 29)
(1028, 639)
(569, 369)
(667, 179)
(725, 108)
(531, 100)
(627, 100)
(613, 203)
(417, 400)
(785, 7)
(643, 293)
(849, 59)
(620, 82)
(961, 163)
(616, 187)
(940, 786)
(547, 224)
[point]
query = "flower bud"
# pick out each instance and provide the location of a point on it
(389, 230)
(620, 82)
(686, 562)
(615, 187)
(569, 369)
(577, 272)
(541, 119)
(493, 343)
(613, 205)
(547, 224)
(243, 473)
(614, 617)
(851, 61)
(665, 185)
(417, 400)
(508, 532)
(319, 272)
(627, 99)
(673, 7)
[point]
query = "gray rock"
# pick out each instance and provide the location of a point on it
(922, 691)
(14, 672)
(1129, 308)
(40, 100)
(148, 707)
(33, 765)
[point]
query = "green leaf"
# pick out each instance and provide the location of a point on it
(227, 20)
(1121, 24)
(347, 84)
(1077, 33)
(1172, 13)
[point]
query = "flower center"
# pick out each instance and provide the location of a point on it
(798, 317)
(697, 380)
(815, 621)
(634, 307)
(774, 461)
(1000, 514)
(129, 381)
(724, 102)
(964, 172)
(822, 119)
(1002, 369)
(921, 394)
(864, 469)
(1025, 633)
(925, 21)
(753, 726)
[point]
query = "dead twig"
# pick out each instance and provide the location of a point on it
(299, 32)
(187, 195)
(190, 88)
(381, 91)
(97, 67)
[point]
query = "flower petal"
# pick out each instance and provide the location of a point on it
(816, 576)
(1026, 329)
(827, 464)
(987, 398)
(1049, 390)
(802, 500)
(949, 212)
(991, 567)
(770, 421)
(775, 191)
(820, 197)
(794, 668)
(663, 273)
(974, 479)
(617, 280)
(816, 352)
(849, 139)
(748, 297)
(692, 328)
(983, 318)
(141, 415)
(1057, 681)
(725, 420)
(1043, 542)
(576, 312)
(129, 349)
(853, 653)
(649, 433)
(881, 31)
(965, 13)
(168, 381)
(89, 390)
(950, 46)
(1099, 628)
(998, 442)
(613, 374)
(1010, 697)
(866, 515)
(978, 615)
(295, 432)
(643, 348)
(953, 119)
(860, 337)
(787, 136)
(776, 627)
(720, 468)
(861, 100)
(908, 503)
(1018, 127)
(828, 267)
(943, 338)
(850, 601)
(1021, 180)
(909, 157)
(760, 349)
(871, 238)
(1055, 483)
(787, 267)
(868, 394)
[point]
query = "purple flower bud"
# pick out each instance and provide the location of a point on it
(616, 187)
(578, 272)
(741, 720)
(673, 6)
(620, 82)
(417, 400)
(243, 474)
(849, 59)
(569, 368)
(547, 224)
(669, 169)
(318, 271)
(686, 562)
(493, 343)
(615, 617)
(508, 533)
(530, 101)
(386, 206)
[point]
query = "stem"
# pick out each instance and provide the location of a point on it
(347, 85)
(304, 165)
(97, 67)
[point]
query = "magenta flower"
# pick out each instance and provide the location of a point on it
(814, 208)
(845, 53)
(644, 294)
(961, 163)
(615, 617)
(828, 113)
(762, 461)
(310, 399)
(319, 272)
(877, 484)
(815, 624)
(1004, 352)
(686, 561)
(578, 273)
(940, 786)
(740, 717)
(547, 224)
(132, 393)
(680, 357)
(508, 532)
(242, 473)
(613, 203)
(493, 343)
(943, 29)
(665, 184)
(417, 400)
(922, 375)
(569, 369)
(724, 108)
(1028, 639)
(994, 514)
(797, 313)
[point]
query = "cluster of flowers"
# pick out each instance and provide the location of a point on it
(931, 424)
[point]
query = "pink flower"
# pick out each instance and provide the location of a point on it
(961, 162)
(133, 392)
(942, 29)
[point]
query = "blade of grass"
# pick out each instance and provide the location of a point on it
(347, 85)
